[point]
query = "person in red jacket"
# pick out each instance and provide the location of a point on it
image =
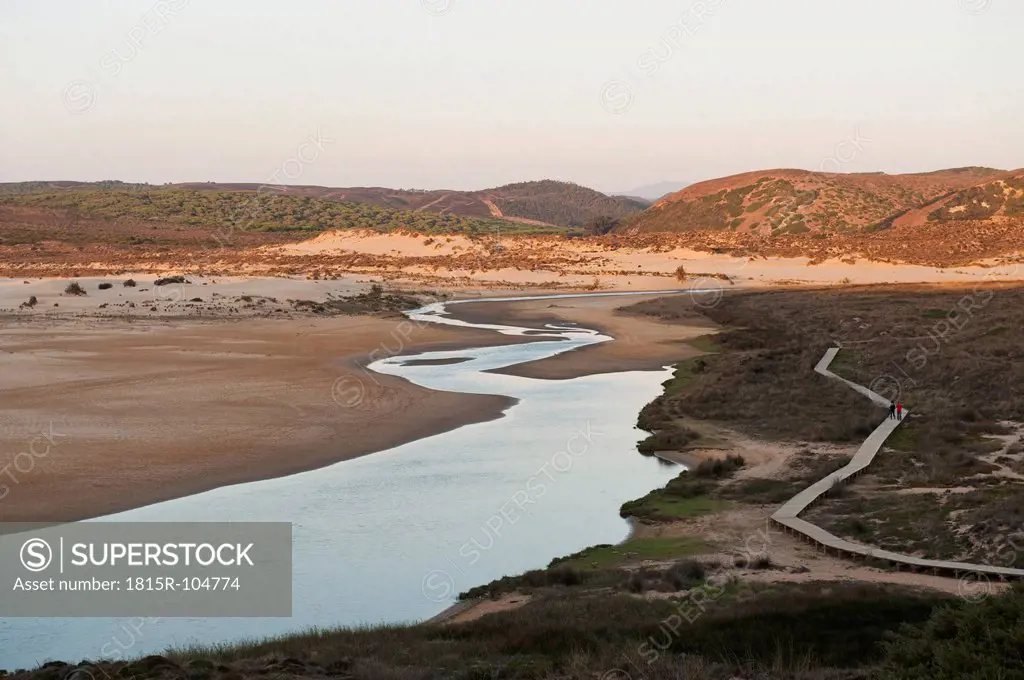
(899, 411)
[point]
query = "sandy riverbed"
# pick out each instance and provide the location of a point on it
(641, 343)
(102, 416)
(104, 413)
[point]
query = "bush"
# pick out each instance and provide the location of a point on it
(74, 288)
(685, 574)
(130, 283)
(169, 279)
(636, 583)
(719, 469)
(961, 642)
(564, 576)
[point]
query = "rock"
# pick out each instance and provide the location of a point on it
(106, 286)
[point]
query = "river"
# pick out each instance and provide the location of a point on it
(395, 536)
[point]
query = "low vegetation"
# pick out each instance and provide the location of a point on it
(564, 203)
(947, 484)
(691, 493)
(372, 302)
(786, 632)
(229, 212)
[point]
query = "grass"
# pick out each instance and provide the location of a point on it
(636, 550)
(688, 495)
(705, 343)
(683, 376)
(664, 508)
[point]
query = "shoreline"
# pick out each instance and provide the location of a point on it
(147, 410)
(640, 343)
(142, 413)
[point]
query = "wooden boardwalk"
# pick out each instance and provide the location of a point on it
(787, 518)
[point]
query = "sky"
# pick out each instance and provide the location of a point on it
(467, 94)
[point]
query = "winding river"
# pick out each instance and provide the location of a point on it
(395, 536)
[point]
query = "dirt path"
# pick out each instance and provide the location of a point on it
(493, 207)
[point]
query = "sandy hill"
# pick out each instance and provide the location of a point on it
(775, 202)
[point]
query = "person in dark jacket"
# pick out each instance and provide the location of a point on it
(892, 410)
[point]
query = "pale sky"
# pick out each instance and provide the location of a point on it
(474, 93)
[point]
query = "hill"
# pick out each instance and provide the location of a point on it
(543, 203)
(774, 202)
(234, 210)
(1002, 197)
(546, 202)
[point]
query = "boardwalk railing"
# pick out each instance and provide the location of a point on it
(787, 516)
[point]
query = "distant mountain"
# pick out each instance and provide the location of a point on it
(773, 202)
(653, 192)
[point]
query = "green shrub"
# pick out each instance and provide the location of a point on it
(962, 642)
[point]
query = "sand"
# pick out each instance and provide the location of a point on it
(640, 343)
(98, 416)
(561, 263)
(103, 412)
(217, 296)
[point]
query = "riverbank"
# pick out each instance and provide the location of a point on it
(755, 426)
(703, 576)
(109, 413)
(641, 343)
(104, 416)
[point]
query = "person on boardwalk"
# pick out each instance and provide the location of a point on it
(892, 410)
(899, 411)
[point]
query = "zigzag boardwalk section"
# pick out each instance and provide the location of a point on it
(787, 518)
